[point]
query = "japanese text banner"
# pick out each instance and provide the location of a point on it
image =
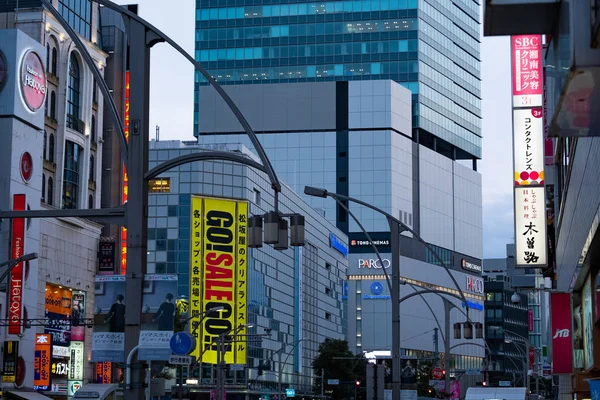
(528, 146)
(530, 226)
(527, 66)
(218, 277)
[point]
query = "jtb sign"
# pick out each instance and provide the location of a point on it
(562, 345)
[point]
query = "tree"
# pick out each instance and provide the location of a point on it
(338, 362)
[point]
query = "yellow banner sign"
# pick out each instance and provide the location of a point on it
(218, 278)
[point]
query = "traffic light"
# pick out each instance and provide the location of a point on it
(357, 383)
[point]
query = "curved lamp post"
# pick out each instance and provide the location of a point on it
(396, 227)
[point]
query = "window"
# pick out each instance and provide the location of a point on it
(160, 185)
(79, 15)
(43, 188)
(328, 316)
(73, 94)
(257, 197)
(51, 148)
(498, 297)
(91, 202)
(50, 191)
(327, 266)
(93, 128)
(95, 92)
(53, 105)
(54, 60)
(328, 291)
(92, 166)
(48, 57)
(71, 175)
(44, 148)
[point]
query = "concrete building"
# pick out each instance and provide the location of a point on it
(65, 147)
(296, 294)
(355, 138)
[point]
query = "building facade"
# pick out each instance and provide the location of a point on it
(65, 152)
(431, 47)
(354, 138)
(295, 294)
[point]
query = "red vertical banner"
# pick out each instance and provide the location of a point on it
(530, 320)
(527, 65)
(15, 290)
(531, 358)
(562, 344)
(125, 178)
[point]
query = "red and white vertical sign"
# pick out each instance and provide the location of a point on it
(15, 289)
(562, 342)
(527, 70)
(125, 178)
(530, 320)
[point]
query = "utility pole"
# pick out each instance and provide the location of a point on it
(137, 214)
(447, 307)
(436, 346)
(395, 297)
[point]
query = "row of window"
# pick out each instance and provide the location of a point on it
(48, 192)
(329, 28)
(78, 13)
(317, 71)
(312, 50)
(283, 10)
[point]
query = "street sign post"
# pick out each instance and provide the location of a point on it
(180, 360)
(333, 381)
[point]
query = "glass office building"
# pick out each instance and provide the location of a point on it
(429, 46)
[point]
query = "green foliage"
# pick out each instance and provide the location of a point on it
(338, 362)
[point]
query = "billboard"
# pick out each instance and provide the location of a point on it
(58, 314)
(527, 66)
(76, 361)
(218, 275)
(528, 146)
(78, 316)
(42, 362)
(562, 344)
(15, 290)
(125, 193)
(530, 226)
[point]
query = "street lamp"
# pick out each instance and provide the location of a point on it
(14, 262)
(396, 227)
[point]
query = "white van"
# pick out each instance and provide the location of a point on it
(496, 393)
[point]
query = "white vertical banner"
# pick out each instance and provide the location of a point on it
(530, 226)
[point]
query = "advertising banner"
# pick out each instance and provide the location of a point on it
(125, 193)
(76, 361)
(531, 353)
(58, 314)
(108, 346)
(528, 147)
(562, 354)
(103, 372)
(527, 70)
(530, 226)
(9, 361)
(530, 320)
(15, 289)
(106, 263)
(42, 362)
(455, 390)
(78, 317)
(218, 275)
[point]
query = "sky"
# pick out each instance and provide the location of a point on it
(172, 104)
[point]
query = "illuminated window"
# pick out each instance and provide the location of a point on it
(160, 185)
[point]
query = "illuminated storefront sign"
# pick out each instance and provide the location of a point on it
(469, 266)
(374, 263)
(527, 70)
(76, 361)
(125, 178)
(9, 361)
(376, 292)
(58, 314)
(15, 290)
(33, 81)
(528, 146)
(530, 226)
(103, 372)
(218, 274)
(42, 363)
(337, 244)
(474, 285)
(528, 151)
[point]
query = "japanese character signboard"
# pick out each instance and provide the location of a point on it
(108, 346)
(42, 361)
(528, 146)
(154, 345)
(218, 276)
(527, 63)
(530, 226)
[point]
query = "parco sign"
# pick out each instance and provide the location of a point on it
(374, 263)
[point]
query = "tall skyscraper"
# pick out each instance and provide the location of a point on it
(429, 46)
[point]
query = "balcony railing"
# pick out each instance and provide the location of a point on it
(75, 123)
